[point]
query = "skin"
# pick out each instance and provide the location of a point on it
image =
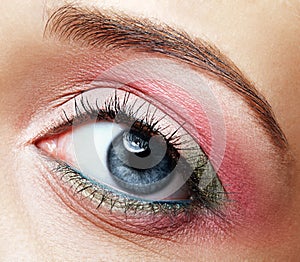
(261, 38)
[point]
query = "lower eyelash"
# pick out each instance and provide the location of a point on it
(101, 196)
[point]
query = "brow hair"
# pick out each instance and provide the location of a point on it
(96, 29)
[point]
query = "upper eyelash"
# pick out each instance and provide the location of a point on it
(112, 107)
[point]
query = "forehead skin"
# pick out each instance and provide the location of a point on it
(261, 37)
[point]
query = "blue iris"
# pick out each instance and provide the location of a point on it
(139, 163)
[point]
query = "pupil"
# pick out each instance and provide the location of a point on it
(145, 153)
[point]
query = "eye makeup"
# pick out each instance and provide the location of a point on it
(191, 168)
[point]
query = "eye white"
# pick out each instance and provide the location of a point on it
(91, 143)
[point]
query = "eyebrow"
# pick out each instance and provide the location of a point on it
(96, 29)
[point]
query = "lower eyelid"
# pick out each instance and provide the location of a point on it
(206, 226)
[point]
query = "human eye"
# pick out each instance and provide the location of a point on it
(127, 155)
(121, 152)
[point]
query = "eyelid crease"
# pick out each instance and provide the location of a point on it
(95, 29)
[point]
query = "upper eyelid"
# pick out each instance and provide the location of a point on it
(95, 29)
